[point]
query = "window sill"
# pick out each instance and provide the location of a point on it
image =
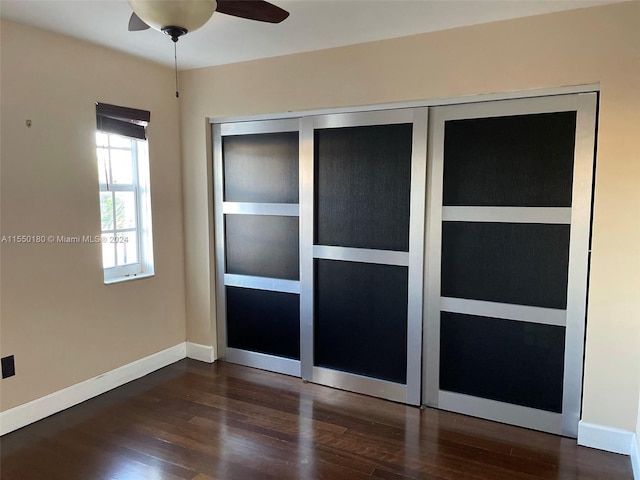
(128, 278)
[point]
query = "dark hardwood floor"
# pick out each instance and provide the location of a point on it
(197, 421)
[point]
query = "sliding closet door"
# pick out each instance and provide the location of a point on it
(507, 246)
(257, 242)
(362, 250)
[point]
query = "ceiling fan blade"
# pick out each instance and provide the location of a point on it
(136, 24)
(253, 10)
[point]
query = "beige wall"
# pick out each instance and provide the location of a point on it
(595, 45)
(57, 317)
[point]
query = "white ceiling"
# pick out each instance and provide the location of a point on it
(312, 25)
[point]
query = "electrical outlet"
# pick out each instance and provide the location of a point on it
(8, 367)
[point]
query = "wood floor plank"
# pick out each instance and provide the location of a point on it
(197, 421)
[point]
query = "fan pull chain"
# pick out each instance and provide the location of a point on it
(175, 58)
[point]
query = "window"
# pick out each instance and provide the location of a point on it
(125, 206)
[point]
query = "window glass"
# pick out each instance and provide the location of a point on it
(106, 210)
(103, 164)
(121, 166)
(102, 139)
(108, 251)
(127, 248)
(117, 141)
(125, 210)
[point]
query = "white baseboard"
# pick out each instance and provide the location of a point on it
(43, 407)
(204, 353)
(635, 457)
(605, 438)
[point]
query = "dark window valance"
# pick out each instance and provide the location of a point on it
(129, 122)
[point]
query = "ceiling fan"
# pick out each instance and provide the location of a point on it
(178, 17)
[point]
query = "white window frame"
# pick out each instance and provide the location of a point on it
(142, 193)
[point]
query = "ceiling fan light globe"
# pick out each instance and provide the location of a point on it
(187, 14)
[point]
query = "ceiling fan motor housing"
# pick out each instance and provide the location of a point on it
(174, 17)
